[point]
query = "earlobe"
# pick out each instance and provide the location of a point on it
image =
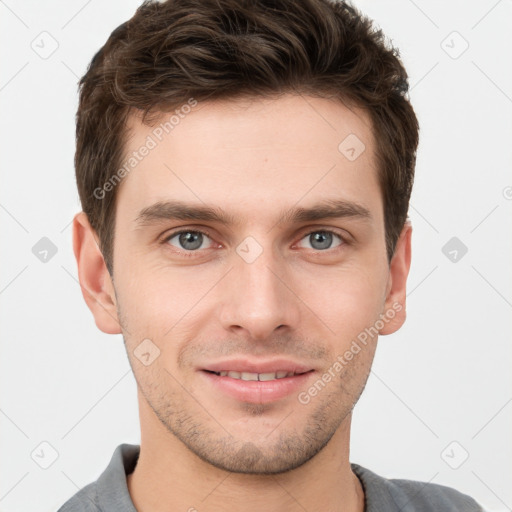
(95, 281)
(394, 309)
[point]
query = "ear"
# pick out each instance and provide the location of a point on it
(95, 282)
(394, 306)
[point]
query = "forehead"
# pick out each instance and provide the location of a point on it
(252, 154)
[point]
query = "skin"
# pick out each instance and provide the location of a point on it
(201, 449)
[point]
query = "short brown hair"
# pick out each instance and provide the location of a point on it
(171, 51)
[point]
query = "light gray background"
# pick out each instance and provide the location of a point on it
(444, 377)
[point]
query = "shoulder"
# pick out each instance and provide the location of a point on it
(85, 500)
(428, 496)
(411, 495)
(109, 492)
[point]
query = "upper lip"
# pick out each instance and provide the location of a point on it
(251, 366)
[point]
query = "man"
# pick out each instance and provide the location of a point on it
(245, 169)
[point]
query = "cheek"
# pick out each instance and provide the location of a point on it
(346, 301)
(158, 299)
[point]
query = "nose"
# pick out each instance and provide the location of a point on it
(259, 297)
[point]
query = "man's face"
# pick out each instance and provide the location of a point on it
(265, 290)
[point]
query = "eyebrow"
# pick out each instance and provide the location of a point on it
(178, 210)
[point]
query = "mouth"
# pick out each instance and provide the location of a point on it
(256, 383)
(262, 377)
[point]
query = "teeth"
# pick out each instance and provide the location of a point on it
(256, 376)
(249, 376)
(267, 376)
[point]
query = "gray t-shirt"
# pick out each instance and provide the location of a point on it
(110, 492)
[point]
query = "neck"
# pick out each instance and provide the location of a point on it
(168, 476)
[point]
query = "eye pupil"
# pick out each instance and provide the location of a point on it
(191, 240)
(321, 240)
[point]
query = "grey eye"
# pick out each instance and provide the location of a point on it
(188, 240)
(322, 240)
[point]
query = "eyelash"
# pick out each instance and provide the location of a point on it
(190, 254)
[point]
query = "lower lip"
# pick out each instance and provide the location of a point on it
(255, 391)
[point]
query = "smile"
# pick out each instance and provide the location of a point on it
(256, 376)
(256, 387)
